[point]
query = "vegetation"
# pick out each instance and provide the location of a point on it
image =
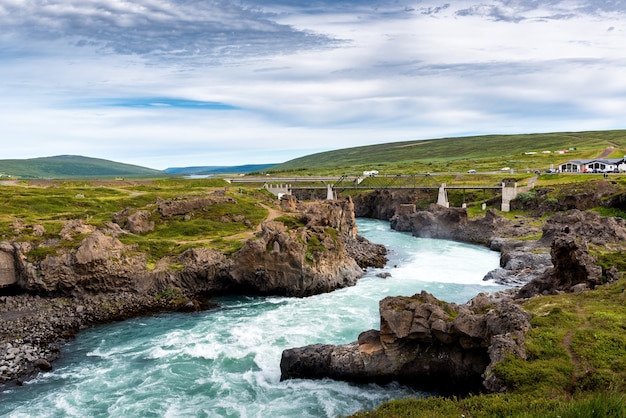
(481, 153)
(72, 166)
(593, 405)
(51, 203)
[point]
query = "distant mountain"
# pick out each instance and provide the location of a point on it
(243, 169)
(71, 166)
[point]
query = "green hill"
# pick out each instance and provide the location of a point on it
(71, 166)
(488, 151)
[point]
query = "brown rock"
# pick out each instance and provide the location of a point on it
(7, 269)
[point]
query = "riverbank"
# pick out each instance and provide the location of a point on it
(33, 328)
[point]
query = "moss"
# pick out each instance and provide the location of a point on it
(314, 248)
(291, 222)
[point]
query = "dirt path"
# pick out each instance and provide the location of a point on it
(273, 214)
(606, 152)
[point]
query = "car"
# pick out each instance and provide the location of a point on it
(471, 171)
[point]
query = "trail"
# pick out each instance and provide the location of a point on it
(272, 214)
(606, 152)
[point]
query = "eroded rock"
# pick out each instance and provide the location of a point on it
(424, 343)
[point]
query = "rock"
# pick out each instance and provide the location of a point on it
(288, 203)
(366, 253)
(454, 224)
(42, 364)
(8, 275)
(424, 343)
(520, 261)
(183, 206)
(18, 226)
(384, 204)
(38, 230)
(574, 269)
(75, 227)
(587, 225)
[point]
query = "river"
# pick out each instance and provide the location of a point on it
(226, 362)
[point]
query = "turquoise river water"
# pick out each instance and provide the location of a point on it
(226, 362)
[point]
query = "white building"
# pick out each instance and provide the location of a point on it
(598, 165)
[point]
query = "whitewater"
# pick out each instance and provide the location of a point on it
(225, 362)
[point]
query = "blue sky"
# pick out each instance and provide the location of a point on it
(216, 82)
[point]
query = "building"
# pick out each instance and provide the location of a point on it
(597, 165)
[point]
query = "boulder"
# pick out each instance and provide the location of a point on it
(75, 227)
(424, 343)
(574, 268)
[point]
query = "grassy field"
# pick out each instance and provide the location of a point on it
(481, 153)
(52, 203)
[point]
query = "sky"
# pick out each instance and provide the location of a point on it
(219, 83)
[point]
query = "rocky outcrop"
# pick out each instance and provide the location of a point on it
(588, 225)
(455, 224)
(8, 276)
(424, 343)
(384, 204)
(185, 205)
(134, 221)
(520, 262)
(580, 196)
(574, 269)
(304, 261)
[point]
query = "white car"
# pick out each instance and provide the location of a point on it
(471, 171)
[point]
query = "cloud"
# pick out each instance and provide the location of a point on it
(216, 82)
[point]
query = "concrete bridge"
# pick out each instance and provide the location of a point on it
(286, 185)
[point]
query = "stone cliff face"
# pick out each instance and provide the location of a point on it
(454, 224)
(424, 343)
(308, 260)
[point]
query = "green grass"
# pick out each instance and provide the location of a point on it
(482, 153)
(593, 405)
(52, 203)
(72, 166)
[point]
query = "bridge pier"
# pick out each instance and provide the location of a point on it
(330, 194)
(278, 189)
(442, 198)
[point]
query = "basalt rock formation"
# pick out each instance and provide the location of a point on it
(424, 343)
(308, 260)
(455, 224)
